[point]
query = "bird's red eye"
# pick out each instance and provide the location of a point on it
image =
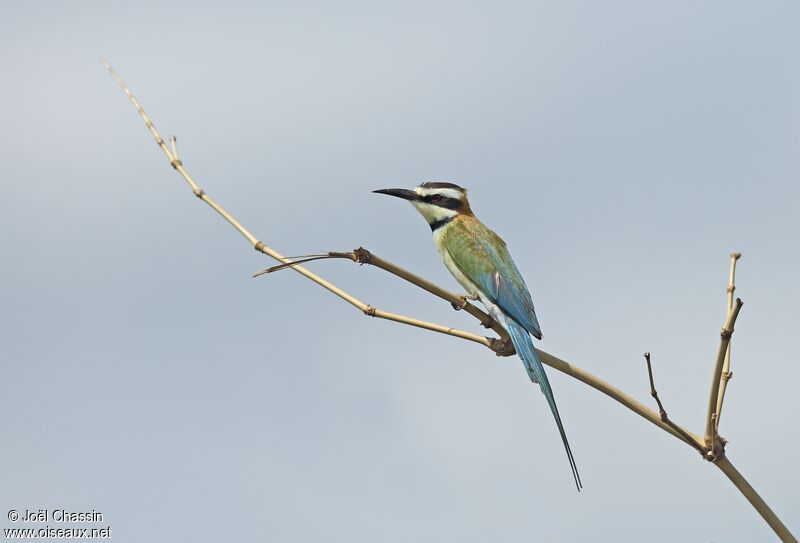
(436, 198)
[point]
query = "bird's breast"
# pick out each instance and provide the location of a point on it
(440, 240)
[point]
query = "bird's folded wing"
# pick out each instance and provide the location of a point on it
(484, 259)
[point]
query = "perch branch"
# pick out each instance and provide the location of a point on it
(616, 394)
(565, 367)
(363, 256)
(727, 374)
(498, 345)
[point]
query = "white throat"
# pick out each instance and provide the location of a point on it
(433, 213)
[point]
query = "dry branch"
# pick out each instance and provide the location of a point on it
(707, 445)
(686, 437)
(714, 444)
(502, 346)
(727, 374)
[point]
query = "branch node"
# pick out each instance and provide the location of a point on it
(502, 347)
(259, 246)
(463, 305)
(198, 192)
(716, 450)
(362, 256)
(725, 334)
(175, 163)
(369, 311)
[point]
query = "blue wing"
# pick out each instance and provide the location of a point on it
(482, 256)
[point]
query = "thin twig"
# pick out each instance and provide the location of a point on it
(714, 445)
(653, 392)
(686, 436)
(295, 260)
(727, 374)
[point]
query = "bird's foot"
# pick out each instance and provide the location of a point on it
(466, 299)
(503, 347)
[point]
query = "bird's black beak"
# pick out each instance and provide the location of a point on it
(400, 193)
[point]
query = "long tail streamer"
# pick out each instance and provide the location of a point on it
(524, 346)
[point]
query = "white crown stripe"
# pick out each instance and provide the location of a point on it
(445, 193)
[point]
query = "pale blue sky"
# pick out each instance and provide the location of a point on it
(623, 150)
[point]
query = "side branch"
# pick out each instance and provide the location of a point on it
(688, 438)
(726, 366)
(715, 447)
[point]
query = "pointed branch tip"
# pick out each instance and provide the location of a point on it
(173, 141)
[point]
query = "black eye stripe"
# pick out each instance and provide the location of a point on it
(442, 201)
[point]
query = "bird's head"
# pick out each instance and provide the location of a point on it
(437, 202)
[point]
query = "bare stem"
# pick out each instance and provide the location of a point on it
(727, 374)
(711, 437)
(653, 392)
(755, 500)
(687, 437)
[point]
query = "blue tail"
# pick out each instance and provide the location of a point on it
(524, 346)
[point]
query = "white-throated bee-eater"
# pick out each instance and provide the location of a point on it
(480, 262)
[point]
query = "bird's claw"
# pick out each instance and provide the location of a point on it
(466, 298)
(503, 347)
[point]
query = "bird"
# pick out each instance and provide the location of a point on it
(480, 262)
